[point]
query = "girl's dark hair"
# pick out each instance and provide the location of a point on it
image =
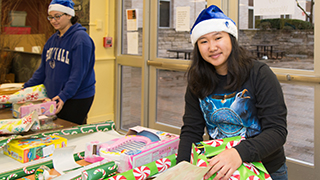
(202, 77)
(74, 19)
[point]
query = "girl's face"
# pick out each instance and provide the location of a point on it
(215, 48)
(60, 21)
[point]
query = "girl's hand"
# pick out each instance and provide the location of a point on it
(59, 105)
(225, 163)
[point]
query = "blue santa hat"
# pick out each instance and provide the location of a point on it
(65, 6)
(210, 20)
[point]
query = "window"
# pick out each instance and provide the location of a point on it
(164, 18)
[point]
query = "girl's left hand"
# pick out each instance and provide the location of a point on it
(59, 105)
(225, 164)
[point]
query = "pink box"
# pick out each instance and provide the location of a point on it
(158, 144)
(42, 107)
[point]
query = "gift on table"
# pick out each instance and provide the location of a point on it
(206, 149)
(26, 150)
(42, 107)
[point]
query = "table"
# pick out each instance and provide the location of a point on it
(78, 140)
(264, 50)
(186, 52)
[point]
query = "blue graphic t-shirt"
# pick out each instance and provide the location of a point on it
(229, 115)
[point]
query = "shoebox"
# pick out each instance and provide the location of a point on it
(140, 146)
(42, 107)
(26, 150)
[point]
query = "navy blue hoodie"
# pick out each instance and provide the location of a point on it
(67, 65)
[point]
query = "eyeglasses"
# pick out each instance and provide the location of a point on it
(55, 17)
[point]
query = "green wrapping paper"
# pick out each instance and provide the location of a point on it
(147, 170)
(26, 171)
(206, 149)
(82, 129)
(100, 172)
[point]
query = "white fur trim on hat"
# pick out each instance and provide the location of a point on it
(213, 25)
(61, 8)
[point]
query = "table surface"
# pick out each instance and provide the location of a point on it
(180, 50)
(264, 44)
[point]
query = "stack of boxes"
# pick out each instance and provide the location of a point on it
(17, 23)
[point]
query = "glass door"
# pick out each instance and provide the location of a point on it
(152, 61)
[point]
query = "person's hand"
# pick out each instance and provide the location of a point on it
(225, 163)
(59, 105)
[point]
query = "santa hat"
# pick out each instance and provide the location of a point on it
(65, 6)
(210, 20)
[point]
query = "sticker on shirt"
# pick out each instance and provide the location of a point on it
(229, 115)
(52, 64)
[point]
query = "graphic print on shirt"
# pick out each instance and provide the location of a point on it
(229, 115)
(57, 54)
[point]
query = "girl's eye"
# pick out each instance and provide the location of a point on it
(203, 41)
(218, 38)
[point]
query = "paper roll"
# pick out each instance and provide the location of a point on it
(100, 172)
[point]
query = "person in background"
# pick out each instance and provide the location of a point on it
(231, 94)
(67, 65)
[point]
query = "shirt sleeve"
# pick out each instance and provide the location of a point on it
(271, 112)
(192, 130)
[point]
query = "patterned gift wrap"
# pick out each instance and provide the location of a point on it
(27, 94)
(15, 126)
(206, 149)
(29, 170)
(147, 170)
(81, 129)
(100, 172)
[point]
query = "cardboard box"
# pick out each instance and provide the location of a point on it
(18, 18)
(161, 144)
(42, 107)
(26, 150)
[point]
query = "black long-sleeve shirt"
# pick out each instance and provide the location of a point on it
(261, 118)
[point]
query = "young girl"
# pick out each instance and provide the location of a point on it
(67, 66)
(230, 94)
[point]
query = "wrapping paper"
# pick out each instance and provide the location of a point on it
(86, 128)
(15, 126)
(207, 149)
(28, 170)
(27, 94)
(100, 172)
(147, 170)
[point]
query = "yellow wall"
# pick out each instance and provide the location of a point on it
(102, 24)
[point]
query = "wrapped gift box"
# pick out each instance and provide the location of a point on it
(42, 107)
(26, 150)
(147, 170)
(207, 149)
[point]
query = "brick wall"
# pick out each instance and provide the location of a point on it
(292, 42)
